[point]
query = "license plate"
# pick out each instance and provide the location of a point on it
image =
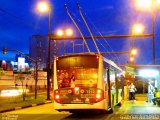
(87, 95)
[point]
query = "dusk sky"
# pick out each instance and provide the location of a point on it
(19, 21)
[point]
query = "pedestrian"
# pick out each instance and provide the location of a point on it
(150, 94)
(154, 100)
(132, 90)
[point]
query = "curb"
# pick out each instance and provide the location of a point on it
(18, 108)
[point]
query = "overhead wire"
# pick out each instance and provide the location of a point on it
(77, 27)
(104, 40)
(79, 9)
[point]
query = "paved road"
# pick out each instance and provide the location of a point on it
(130, 110)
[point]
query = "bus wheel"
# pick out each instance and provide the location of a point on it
(119, 104)
(111, 110)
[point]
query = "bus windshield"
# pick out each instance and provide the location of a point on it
(77, 71)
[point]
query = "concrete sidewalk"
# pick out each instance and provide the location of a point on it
(138, 107)
(141, 97)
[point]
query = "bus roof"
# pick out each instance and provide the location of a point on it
(112, 63)
(75, 54)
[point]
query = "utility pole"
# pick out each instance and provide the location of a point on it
(49, 54)
(153, 34)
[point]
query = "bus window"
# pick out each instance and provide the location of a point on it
(112, 80)
(81, 71)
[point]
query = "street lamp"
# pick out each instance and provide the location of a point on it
(69, 32)
(66, 32)
(44, 7)
(137, 29)
(131, 59)
(150, 5)
(133, 52)
(143, 4)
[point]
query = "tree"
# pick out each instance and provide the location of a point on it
(23, 79)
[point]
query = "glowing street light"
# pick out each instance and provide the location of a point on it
(137, 29)
(146, 5)
(62, 33)
(158, 1)
(133, 52)
(143, 4)
(132, 59)
(67, 32)
(43, 7)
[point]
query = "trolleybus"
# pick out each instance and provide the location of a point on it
(86, 81)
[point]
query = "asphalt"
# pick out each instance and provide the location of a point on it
(140, 101)
(31, 105)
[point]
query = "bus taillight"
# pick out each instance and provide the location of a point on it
(98, 96)
(57, 96)
(99, 91)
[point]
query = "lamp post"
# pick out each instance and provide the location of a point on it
(150, 5)
(49, 56)
(153, 34)
(45, 7)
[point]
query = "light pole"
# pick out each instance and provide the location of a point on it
(150, 5)
(45, 7)
(153, 34)
(49, 56)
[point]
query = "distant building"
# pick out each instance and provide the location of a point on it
(14, 66)
(5, 65)
(38, 50)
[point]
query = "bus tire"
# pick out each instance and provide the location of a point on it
(111, 110)
(119, 104)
